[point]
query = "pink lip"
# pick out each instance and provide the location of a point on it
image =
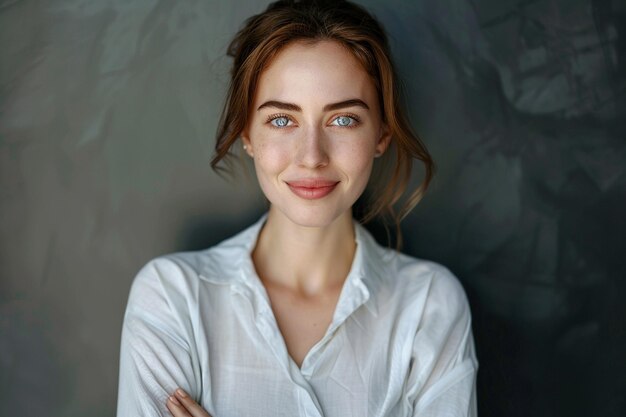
(312, 188)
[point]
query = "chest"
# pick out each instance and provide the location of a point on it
(302, 321)
(239, 352)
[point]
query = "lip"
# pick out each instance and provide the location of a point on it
(312, 188)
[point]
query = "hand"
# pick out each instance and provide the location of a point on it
(181, 405)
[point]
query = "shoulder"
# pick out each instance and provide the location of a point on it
(441, 283)
(167, 280)
(174, 278)
(411, 283)
(430, 287)
(436, 300)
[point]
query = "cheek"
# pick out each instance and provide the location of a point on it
(270, 158)
(358, 159)
(362, 173)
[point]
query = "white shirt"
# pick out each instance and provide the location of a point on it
(399, 344)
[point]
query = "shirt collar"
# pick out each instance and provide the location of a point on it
(369, 264)
(221, 263)
(366, 273)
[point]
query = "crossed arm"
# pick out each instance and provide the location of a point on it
(155, 356)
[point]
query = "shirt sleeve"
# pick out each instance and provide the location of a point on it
(155, 355)
(442, 379)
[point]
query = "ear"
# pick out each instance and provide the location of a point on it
(383, 141)
(247, 145)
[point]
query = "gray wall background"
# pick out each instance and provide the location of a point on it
(107, 116)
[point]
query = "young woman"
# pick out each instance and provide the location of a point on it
(304, 313)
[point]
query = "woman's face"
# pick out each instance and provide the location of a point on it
(313, 132)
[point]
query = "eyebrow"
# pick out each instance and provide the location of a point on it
(355, 102)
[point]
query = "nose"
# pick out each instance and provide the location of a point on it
(312, 151)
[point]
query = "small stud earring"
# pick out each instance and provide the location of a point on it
(245, 147)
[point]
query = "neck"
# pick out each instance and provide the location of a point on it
(306, 260)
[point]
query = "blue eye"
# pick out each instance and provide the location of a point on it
(345, 121)
(280, 121)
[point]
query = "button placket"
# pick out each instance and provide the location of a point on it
(354, 296)
(309, 406)
(310, 360)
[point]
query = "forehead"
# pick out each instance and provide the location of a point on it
(324, 70)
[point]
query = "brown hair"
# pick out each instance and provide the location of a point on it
(283, 22)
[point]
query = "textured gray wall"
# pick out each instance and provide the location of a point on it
(107, 116)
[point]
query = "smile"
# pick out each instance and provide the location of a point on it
(312, 189)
